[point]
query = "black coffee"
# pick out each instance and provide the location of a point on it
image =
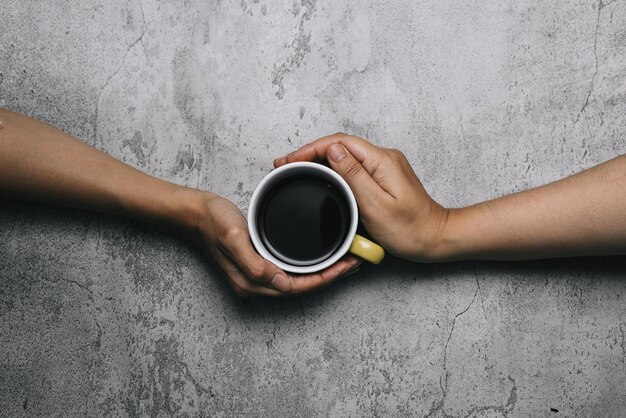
(303, 219)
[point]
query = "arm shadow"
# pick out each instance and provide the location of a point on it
(139, 244)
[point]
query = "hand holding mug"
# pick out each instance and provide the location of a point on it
(394, 207)
(222, 231)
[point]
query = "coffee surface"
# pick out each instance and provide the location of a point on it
(303, 219)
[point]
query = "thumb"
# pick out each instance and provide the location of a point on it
(362, 184)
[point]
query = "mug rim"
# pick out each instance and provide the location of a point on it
(269, 180)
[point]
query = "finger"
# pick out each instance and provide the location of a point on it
(383, 165)
(237, 246)
(309, 282)
(366, 190)
(238, 281)
(368, 154)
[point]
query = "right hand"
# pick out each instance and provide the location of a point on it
(394, 207)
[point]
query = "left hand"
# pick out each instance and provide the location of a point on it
(222, 232)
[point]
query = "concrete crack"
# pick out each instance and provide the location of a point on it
(595, 56)
(117, 70)
(480, 294)
(445, 349)
(104, 86)
(74, 282)
(504, 410)
(200, 388)
(443, 379)
(143, 24)
(79, 285)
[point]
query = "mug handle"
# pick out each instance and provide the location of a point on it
(367, 250)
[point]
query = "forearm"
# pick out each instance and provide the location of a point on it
(581, 215)
(40, 163)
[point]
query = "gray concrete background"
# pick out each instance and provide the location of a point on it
(106, 316)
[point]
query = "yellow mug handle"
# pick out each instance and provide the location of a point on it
(367, 250)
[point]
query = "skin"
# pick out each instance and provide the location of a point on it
(42, 164)
(584, 214)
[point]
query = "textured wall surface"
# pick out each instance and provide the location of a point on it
(106, 316)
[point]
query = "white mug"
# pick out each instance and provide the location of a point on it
(352, 243)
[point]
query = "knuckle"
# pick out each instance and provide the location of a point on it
(352, 170)
(396, 154)
(256, 271)
(342, 136)
(233, 235)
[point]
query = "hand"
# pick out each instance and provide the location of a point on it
(222, 232)
(41, 163)
(394, 207)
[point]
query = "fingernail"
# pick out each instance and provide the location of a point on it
(278, 161)
(336, 153)
(281, 282)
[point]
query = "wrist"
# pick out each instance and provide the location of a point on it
(177, 206)
(189, 207)
(446, 245)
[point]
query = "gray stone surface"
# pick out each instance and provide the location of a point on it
(105, 316)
